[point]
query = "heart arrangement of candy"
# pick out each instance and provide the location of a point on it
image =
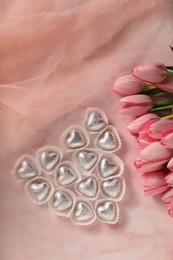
(83, 180)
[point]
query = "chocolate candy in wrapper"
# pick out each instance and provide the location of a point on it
(62, 202)
(26, 168)
(107, 211)
(88, 187)
(83, 213)
(86, 159)
(110, 165)
(74, 137)
(39, 190)
(114, 188)
(108, 140)
(49, 157)
(95, 120)
(66, 174)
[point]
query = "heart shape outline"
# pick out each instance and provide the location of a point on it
(84, 174)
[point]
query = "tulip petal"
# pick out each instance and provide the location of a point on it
(152, 73)
(157, 129)
(156, 152)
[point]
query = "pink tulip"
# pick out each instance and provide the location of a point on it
(135, 126)
(166, 84)
(170, 165)
(135, 105)
(157, 129)
(167, 139)
(144, 139)
(154, 183)
(128, 85)
(152, 73)
(156, 152)
(169, 179)
(167, 196)
(144, 166)
(153, 157)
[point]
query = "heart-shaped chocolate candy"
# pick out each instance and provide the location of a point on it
(39, 190)
(75, 139)
(83, 213)
(62, 201)
(26, 169)
(112, 188)
(107, 167)
(107, 141)
(49, 160)
(95, 122)
(66, 174)
(87, 159)
(107, 211)
(88, 187)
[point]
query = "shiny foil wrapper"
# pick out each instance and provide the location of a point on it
(86, 187)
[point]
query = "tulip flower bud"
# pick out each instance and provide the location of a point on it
(144, 139)
(152, 73)
(166, 84)
(156, 152)
(135, 126)
(169, 179)
(157, 129)
(167, 196)
(170, 165)
(144, 166)
(128, 85)
(153, 157)
(167, 139)
(154, 183)
(135, 105)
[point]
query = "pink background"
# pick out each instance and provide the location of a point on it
(56, 58)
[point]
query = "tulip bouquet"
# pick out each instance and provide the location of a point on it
(146, 95)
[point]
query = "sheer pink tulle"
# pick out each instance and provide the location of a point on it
(57, 54)
(56, 58)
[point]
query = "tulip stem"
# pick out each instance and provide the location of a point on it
(147, 84)
(169, 116)
(162, 108)
(161, 104)
(153, 91)
(170, 74)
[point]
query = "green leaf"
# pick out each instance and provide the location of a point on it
(153, 91)
(169, 67)
(164, 108)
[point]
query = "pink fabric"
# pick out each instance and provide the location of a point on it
(56, 58)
